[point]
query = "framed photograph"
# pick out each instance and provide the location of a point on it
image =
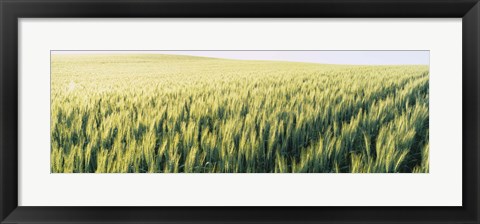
(229, 111)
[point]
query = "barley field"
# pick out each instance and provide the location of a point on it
(137, 113)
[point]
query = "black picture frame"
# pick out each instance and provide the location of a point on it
(12, 10)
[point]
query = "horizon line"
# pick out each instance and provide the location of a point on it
(328, 57)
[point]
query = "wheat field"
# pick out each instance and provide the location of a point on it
(137, 113)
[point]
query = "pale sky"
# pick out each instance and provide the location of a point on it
(325, 57)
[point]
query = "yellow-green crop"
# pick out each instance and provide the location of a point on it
(167, 113)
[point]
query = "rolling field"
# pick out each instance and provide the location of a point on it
(166, 113)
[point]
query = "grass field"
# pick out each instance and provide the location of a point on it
(165, 113)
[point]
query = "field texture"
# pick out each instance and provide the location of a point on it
(166, 113)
